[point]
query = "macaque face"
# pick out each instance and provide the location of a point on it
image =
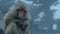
(21, 12)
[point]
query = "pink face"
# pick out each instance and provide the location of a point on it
(21, 13)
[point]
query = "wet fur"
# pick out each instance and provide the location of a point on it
(10, 25)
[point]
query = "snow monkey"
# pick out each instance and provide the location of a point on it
(17, 19)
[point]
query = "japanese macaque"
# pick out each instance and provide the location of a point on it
(16, 20)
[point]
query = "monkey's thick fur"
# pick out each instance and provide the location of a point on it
(9, 25)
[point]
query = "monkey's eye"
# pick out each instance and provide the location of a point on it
(21, 10)
(18, 9)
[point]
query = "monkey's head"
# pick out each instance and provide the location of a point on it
(21, 9)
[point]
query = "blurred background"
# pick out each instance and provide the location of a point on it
(45, 15)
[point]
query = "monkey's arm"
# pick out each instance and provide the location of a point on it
(11, 29)
(5, 21)
(28, 26)
(28, 19)
(7, 18)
